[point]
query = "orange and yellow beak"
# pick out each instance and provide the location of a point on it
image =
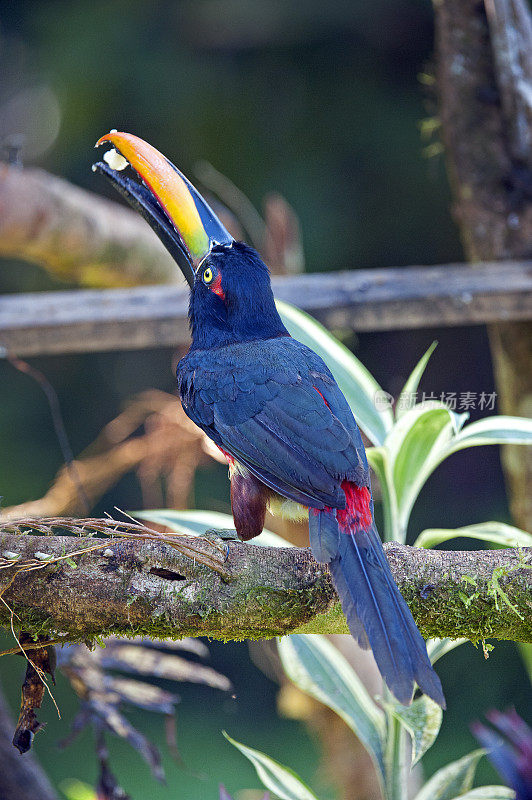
(177, 212)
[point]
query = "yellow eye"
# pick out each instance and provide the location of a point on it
(207, 275)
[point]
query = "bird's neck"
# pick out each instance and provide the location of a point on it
(250, 319)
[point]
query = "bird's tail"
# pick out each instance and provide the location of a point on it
(377, 615)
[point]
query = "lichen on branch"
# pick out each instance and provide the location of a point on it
(144, 585)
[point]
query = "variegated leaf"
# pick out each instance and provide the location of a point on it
(280, 780)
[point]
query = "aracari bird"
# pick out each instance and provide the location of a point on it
(273, 407)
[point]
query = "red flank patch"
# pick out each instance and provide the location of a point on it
(229, 457)
(356, 516)
(322, 397)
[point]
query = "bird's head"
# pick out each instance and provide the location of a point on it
(231, 296)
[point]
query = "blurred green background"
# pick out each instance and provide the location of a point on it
(323, 103)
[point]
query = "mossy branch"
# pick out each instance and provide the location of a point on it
(150, 587)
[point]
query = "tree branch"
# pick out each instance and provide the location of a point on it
(76, 235)
(151, 588)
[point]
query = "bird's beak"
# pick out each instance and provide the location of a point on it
(176, 211)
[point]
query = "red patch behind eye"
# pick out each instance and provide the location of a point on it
(356, 515)
(216, 287)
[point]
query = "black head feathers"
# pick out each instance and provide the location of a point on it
(232, 299)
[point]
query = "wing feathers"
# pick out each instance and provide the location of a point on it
(275, 406)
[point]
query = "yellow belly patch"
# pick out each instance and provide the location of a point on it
(287, 509)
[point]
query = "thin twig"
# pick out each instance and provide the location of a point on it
(186, 544)
(13, 651)
(235, 200)
(57, 420)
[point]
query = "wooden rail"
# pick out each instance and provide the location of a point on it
(366, 300)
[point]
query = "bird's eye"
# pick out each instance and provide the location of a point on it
(207, 275)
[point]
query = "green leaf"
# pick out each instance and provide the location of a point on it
(416, 446)
(493, 430)
(196, 523)
(526, 654)
(436, 648)
(76, 790)
(379, 462)
(422, 719)
(453, 780)
(488, 793)
(320, 670)
(356, 382)
(410, 387)
(280, 780)
(426, 435)
(494, 532)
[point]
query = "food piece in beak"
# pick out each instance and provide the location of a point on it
(115, 160)
(177, 212)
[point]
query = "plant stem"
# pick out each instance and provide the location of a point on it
(393, 530)
(396, 784)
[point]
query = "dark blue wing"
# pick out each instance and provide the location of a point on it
(274, 405)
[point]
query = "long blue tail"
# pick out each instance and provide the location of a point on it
(377, 615)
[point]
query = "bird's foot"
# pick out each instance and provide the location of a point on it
(215, 535)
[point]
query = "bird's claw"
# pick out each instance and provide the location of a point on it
(225, 535)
